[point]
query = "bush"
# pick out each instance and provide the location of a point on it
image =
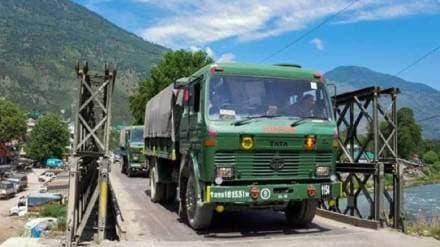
(436, 166)
(53, 210)
(61, 224)
(57, 211)
(430, 157)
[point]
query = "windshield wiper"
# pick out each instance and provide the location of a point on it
(248, 119)
(301, 120)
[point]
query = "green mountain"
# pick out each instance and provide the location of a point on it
(423, 99)
(40, 42)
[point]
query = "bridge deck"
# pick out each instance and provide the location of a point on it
(150, 224)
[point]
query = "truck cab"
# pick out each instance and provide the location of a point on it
(246, 136)
(131, 146)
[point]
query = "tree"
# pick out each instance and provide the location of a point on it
(430, 157)
(174, 65)
(48, 139)
(409, 137)
(12, 122)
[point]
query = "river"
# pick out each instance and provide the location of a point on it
(423, 201)
(420, 202)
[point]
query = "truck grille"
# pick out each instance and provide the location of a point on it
(249, 166)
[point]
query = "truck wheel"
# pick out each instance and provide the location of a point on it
(301, 213)
(124, 165)
(171, 192)
(157, 190)
(198, 217)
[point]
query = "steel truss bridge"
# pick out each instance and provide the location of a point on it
(366, 120)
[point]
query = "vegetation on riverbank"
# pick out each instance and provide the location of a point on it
(424, 228)
(431, 171)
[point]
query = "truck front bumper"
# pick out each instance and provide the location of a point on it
(271, 193)
(138, 167)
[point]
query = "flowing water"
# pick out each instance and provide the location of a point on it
(423, 202)
(420, 203)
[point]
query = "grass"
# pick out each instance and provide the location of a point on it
(57, 211)
(421, 227)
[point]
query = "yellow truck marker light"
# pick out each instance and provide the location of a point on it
(247, 143)
(309, 142)
(173, 154)
(208, 194)
(220, 208)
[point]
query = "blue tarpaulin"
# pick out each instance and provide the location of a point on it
(54, 163)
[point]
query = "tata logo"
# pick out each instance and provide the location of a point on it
(277, 164)
(278, 144)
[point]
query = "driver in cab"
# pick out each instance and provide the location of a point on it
(304, 107)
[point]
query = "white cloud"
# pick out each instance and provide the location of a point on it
(226, 58)
(208, 50)
(199, 22)
(391, 11)
(318, 43)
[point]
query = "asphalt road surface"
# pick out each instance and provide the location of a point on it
(151, 224)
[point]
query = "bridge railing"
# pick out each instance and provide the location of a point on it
(367, 162)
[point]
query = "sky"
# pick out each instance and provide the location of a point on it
(385, 36)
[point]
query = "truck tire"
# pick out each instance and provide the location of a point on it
(124, 165)
(157, 189)
(171, 192)
(301, 213)
(197, 216)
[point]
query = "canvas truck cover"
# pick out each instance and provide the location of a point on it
(161, 114)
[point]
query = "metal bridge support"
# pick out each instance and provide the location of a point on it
(89, 164)
(367, 155)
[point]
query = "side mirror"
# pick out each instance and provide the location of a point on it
(180, 83)
(332, 86)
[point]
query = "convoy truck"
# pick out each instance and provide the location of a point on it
(131, 145)
(238, 136)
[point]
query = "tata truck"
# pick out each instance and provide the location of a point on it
(131, 146)
(238, 136)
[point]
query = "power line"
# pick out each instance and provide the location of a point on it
(310, 31)
(428, 118)
(429, 53)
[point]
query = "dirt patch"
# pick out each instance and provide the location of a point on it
(11, 227)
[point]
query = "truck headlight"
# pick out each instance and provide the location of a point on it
(225, 172)
(322, 171)
(135, 157)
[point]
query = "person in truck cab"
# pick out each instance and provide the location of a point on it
(305, 107)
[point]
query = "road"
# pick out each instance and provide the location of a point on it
(150, 224)
(12, 226)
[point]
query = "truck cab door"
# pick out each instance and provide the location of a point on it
(195, 113)
(190, 125)
(184, 121)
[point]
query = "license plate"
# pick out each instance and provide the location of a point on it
(325, 190)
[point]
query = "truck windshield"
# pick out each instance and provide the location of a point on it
(241, 97)
(137, 135)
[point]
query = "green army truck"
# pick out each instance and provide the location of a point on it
(238, 136)
(131, 144)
